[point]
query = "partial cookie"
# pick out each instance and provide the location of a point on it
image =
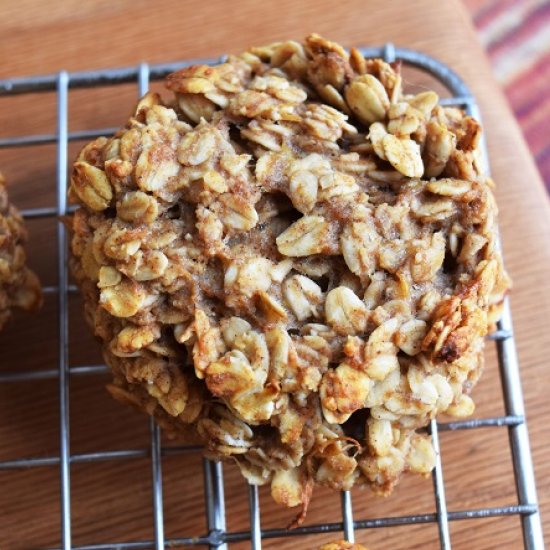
(19, 286)
(294, 262)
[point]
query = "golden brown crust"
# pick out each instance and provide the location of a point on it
(19, 286)
(294, 263)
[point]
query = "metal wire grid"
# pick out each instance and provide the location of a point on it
(218, 537)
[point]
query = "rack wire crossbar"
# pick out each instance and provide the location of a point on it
(218, 537)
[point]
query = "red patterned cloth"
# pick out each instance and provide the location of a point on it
(516, 34)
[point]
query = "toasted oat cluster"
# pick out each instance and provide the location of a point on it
(19, 286)
(294, 262)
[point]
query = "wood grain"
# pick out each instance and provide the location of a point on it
(112, 500)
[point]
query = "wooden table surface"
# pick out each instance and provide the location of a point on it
(111, 501)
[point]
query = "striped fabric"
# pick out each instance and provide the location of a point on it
(516, 35)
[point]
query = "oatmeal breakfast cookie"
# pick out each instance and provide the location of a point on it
(19, 286)
(293, 262)
(343, 545)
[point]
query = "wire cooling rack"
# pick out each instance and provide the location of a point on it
(217, 536)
